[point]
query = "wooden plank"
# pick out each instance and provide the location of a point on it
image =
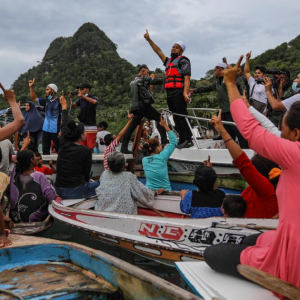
(270, 282)
(48, 279)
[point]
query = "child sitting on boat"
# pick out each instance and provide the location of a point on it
(30, 191)
(155, 165)
(112, 142)
(199, 204)
(43, 169)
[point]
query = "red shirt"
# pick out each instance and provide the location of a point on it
(44, 170)
(260, 195)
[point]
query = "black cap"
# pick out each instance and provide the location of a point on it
(143, 66)
(83, 86)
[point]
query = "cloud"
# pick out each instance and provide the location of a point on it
(211, 29)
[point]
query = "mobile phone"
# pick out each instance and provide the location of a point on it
(224, 60)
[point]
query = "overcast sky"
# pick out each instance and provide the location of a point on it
(211, 29)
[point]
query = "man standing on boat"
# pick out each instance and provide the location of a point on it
(141, 106)
(177, 85)
(87, 115)
(52, 107)
(221, 89)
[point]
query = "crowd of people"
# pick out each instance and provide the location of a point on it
(267, 115)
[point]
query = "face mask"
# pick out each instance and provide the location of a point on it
(295, 88)
(174, 55)
(50, 97)
(86, 95)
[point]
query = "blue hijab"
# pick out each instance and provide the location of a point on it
(33, 119)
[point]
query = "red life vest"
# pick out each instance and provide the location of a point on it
(174, 78)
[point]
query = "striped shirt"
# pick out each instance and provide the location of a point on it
(109, 149)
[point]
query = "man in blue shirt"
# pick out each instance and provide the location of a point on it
(52, 108)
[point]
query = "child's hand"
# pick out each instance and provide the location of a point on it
(129, 116)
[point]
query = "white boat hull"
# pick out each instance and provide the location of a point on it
(171, 239)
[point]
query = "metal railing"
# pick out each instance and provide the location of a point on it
(194, 117)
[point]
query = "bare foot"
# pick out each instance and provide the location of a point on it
(4, 240)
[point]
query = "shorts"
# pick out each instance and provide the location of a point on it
(90, 141)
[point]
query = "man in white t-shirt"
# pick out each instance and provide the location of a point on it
(102, 132)
(257, 93)
(287, 103)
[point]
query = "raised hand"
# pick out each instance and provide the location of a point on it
(50, 163)
(163, 122)
(248, 55)
(146, 35)
(129, 115)
(207, 162)
(268, 84)
(26, 141)
(216, 121)
(31, 82)
(62, 99)
(230, 74)
(8, 95)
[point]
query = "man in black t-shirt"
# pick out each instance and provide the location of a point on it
(87, 116)
(177, 85)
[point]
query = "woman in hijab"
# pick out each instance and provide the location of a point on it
(33, 123)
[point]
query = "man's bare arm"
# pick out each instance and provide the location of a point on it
(156, 49)
(186, 90)
(32, 94)
(275, 103)
(247, 66)
(10, 129)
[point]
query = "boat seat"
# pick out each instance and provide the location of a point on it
(52, 279)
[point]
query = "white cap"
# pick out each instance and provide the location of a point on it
(53, 87)
(181, 44)
(221, 65)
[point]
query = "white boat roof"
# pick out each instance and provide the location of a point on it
(209, 284)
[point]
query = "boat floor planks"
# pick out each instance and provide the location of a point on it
(51, 265)
(50, 278)
(210, 284)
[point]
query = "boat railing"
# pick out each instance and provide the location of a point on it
(194, 117)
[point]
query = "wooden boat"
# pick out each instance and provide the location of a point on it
(168, 239)
(38, 268)
(210, 284)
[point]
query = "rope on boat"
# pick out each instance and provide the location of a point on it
(11, 294)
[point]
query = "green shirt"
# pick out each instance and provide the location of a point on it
(220, 87)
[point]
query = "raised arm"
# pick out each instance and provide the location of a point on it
(63, 128)
(247, 66)
(156, 49)
(234, 149)
(122, 132)
(264, 121)
(13, 127)
(166, 153)
(32, 94)
(274, 102)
